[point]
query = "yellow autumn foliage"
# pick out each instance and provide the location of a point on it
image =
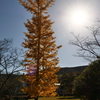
(41, 50)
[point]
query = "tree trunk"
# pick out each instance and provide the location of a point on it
(36, 98)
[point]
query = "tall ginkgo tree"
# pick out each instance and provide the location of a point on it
(41, 50)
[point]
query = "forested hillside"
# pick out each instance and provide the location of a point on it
(65, 70)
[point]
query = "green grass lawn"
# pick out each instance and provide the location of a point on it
(56, 98)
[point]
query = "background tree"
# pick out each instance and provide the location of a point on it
(10, 64)
(41, 50)
(89, 47)
(67, 82)
(88, 83)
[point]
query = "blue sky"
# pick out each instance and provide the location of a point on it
(13, 16)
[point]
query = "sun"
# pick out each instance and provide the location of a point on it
(76, 16)
(79, 17)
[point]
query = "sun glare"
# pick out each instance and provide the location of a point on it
(79, 17)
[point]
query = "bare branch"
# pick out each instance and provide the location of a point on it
(10, 62)
(88, 47)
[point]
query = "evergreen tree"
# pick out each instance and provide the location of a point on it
(41, 50)
(87, 84)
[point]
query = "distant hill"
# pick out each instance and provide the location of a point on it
(65, 70)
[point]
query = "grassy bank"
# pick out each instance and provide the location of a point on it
(57, 98)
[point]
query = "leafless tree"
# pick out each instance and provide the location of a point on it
(10, 65)
(88, 47)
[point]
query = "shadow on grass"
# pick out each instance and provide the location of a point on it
(66, 97)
